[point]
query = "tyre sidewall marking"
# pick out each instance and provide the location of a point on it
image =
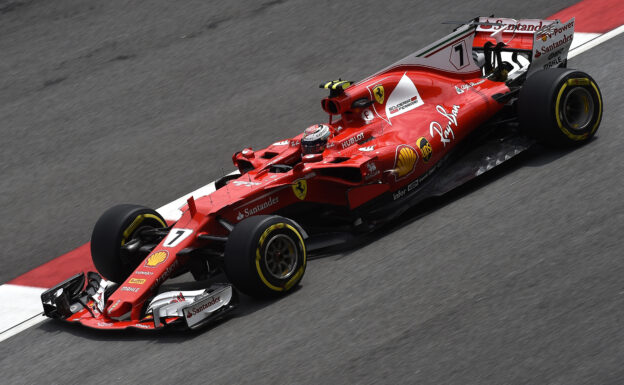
(136, 222)
(564, 129)
(599, 117)
(294, 279)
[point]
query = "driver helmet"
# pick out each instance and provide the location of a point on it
(315, 139)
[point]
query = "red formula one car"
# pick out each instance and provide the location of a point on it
(420, 127)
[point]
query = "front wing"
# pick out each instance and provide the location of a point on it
(82, 299)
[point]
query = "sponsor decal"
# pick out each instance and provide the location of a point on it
(143, 272)
(165, 274)
(131, 289)
(379, 93)
(425, 149)
(547, 48)
(249, 211)
(550, 47)
(555, 54)
(372, 170)
(142, 326)
(352, 140)
(403, 106)
(300, 188)
(461, 88)
(114, 305)
(245, 183)
(413, 185)
(137, 281)
(554, 63)
(445, 133)
(367, 149)
(367, 115)
(399, 194)
(178, 298)
(512, 25)
(556, 29)
(294, 143)
(404, 97)
(94, 306)
(194, 310)
(282, 143)
(405, 160)
(104, 324)
(156, 258)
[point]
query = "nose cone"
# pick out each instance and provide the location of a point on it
(118, 310)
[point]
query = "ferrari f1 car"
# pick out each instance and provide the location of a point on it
(418, 128)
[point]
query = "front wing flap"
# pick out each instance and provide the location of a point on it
(82, 298)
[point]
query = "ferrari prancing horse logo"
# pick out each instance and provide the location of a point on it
(300, 188)
(379, 93)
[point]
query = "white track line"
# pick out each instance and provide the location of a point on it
(20, 306)
(589, 44)
(581, 38)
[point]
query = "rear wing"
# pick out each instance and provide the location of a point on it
(544, 44)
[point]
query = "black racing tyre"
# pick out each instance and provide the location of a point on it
(114, 228)
(265, 256)
(560, 106)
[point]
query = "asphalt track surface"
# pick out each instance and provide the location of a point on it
(516, 278)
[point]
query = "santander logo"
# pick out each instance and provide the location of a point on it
(196, 310)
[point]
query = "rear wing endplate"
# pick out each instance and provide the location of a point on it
(547, 41)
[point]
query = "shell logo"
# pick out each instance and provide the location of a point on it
(157, 258)
(406, 158)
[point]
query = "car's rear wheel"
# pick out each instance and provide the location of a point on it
(265, 256)
(560, 106)
(115, 228)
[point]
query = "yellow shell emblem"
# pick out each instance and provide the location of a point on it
(300, 188)
(406, 158)
(425, 149)
(379, 93)
(157, 258)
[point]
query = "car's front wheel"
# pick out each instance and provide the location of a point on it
(265, 256)
(118, 226)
